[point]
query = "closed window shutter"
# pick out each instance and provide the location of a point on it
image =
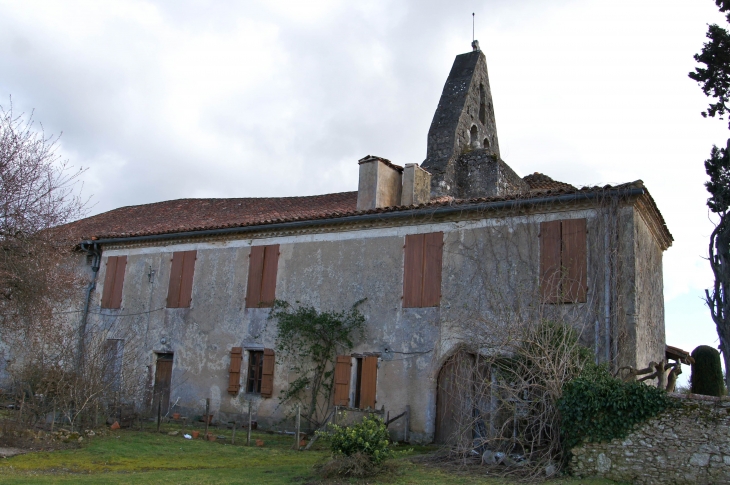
(268, 280)
(106, 295)
(116, 298)
(186, 278)
(234, 372)
(267, 374)
(255, 276)
(550, 271)
(574, 261)
(342, 380)
(432, 261)
(368, 382)
(173, 290)
(413, 271)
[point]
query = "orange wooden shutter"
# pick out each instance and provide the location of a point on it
(267, 374)
(186, 278)
(574, 261)
(413, 271)
(368, 382)
(432, 260)
(234, 372)
(116, 299)
(111, 269)
(255, 276)
(268, 279)
(550, 271)
(342, 380)
(173, 290)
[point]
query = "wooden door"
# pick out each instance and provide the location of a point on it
(454, 399)
(163, 378)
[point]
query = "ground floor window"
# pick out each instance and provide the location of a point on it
(255, 371)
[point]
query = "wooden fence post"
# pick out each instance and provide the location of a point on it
(248, 431)
(296, 433)
(207, 417)
(159, 414)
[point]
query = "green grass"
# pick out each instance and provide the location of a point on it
(145, 457)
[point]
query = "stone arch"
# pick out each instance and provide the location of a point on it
(485, 144)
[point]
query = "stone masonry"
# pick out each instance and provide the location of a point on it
(686, 445)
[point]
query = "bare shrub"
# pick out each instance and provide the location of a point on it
(38, 193)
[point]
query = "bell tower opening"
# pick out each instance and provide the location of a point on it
(482, 104)
(474, 137)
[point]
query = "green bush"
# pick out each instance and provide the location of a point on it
(598, 407)
(369, 437)
(706, 375)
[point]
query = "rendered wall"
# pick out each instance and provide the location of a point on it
(490, 282)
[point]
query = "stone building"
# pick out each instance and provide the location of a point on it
(434, 248)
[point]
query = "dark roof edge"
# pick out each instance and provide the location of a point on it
(403, 214)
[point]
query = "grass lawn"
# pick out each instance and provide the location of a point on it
(146, 457)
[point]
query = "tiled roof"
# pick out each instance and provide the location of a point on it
(540, 181)
(184, 215)
(198, 214)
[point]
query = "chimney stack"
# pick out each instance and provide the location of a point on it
(416, 185)
(379, 185)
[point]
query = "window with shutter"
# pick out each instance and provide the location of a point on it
(255, 367)
(342, 380)
(368, 380)
(267, 374)
(563, 261)
(234, 371)
(262, 270)
(422, 270)
(111, 296)
(182, 270)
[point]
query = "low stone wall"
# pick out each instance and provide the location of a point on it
(686, 445)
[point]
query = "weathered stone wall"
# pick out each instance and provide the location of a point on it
(687, 445)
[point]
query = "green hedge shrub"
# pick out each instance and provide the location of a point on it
(706, 375)
(597, 407)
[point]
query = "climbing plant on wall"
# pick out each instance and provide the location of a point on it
(309, 340)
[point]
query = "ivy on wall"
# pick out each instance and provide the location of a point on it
(598, 407)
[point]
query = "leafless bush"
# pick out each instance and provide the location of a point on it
(51, 387)
(38, 193)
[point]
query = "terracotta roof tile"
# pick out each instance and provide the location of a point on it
(540, 181)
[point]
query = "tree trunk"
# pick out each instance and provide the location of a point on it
(719, 299)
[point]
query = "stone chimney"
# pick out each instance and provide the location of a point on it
(380, 183)
(416, 185)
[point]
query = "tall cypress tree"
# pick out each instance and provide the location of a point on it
(714, 78)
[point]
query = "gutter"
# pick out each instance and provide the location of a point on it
(405, 214)
(91, 248)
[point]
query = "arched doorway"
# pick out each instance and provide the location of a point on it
(463, 399)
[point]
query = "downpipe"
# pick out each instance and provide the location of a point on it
(93, 250)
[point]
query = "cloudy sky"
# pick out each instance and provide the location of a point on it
(163, 100)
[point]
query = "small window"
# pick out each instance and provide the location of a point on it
(262, 269)
(422, 270)
(473, 137)
(112, 364)
(111, 296)
(365, 382)
(255, 369)
(485, 144)
(180, 291)
(260, 378)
